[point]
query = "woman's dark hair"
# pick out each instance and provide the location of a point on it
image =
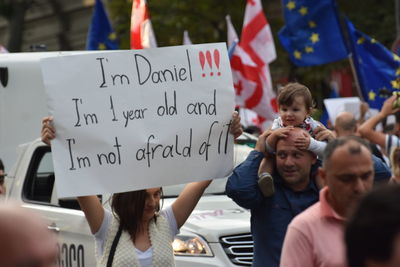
(128, 208)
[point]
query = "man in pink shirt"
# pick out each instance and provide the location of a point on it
(316, 236)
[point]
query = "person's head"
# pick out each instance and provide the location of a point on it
(135, 208)
(293, 164)
(373, 231)
(347, 171)
(345, 124)
(295, 104)
(25, 239)
(2, 175)
(395, 161)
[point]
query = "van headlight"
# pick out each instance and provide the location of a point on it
(191, 245)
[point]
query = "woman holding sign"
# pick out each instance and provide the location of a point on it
(136, 232)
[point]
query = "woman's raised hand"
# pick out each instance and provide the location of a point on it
(48, 132)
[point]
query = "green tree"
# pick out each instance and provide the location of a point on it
(14, 12)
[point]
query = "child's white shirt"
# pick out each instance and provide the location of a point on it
(309, 124)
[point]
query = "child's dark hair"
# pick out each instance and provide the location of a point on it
(287, 94)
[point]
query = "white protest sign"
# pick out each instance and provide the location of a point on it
(336, 105)
(135, 119)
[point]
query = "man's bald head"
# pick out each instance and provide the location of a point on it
(25, 239)
(345, 124)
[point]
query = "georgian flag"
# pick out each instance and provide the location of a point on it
(142, 35)
(249, 63)
(256, 38)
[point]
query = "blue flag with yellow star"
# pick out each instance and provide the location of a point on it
(312, 33)
(101, 35)
(378, 69)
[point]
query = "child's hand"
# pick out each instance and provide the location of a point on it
(282, 132)
(322, 134)
(277, 134)
(303, 142)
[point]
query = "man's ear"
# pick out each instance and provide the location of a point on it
(335, 129)
(322, 174)
(313, 158)
(320, 182)
(312, 154)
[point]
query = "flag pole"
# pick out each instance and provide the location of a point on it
(354, 71)
(345, 34)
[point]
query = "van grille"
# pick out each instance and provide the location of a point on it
(239, 248)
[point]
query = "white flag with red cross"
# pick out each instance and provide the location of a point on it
(249, 62)
(142, 34)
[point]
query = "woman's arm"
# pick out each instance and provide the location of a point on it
(48, 132)
(187, 201)
(94, 212)
(90, 205)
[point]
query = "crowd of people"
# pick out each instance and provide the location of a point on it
(308, 192)
(317, 197)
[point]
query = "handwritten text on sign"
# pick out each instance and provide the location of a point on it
(129, 120)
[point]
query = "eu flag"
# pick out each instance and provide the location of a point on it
(101, 35)
(378, 69)
(312, 34)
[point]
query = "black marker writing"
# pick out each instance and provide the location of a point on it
(112, 109)
(90, 118)
(117, 78)
(167, 109)
(103, 84)
(205, 145)
(201, 108)
(83, 162)
(146, 73)
(164, 151)
(111, 157)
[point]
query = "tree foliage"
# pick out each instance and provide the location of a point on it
(205, 21)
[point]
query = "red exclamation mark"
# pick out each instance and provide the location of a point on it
(209, 60)
(216, 60)
(202, 61)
